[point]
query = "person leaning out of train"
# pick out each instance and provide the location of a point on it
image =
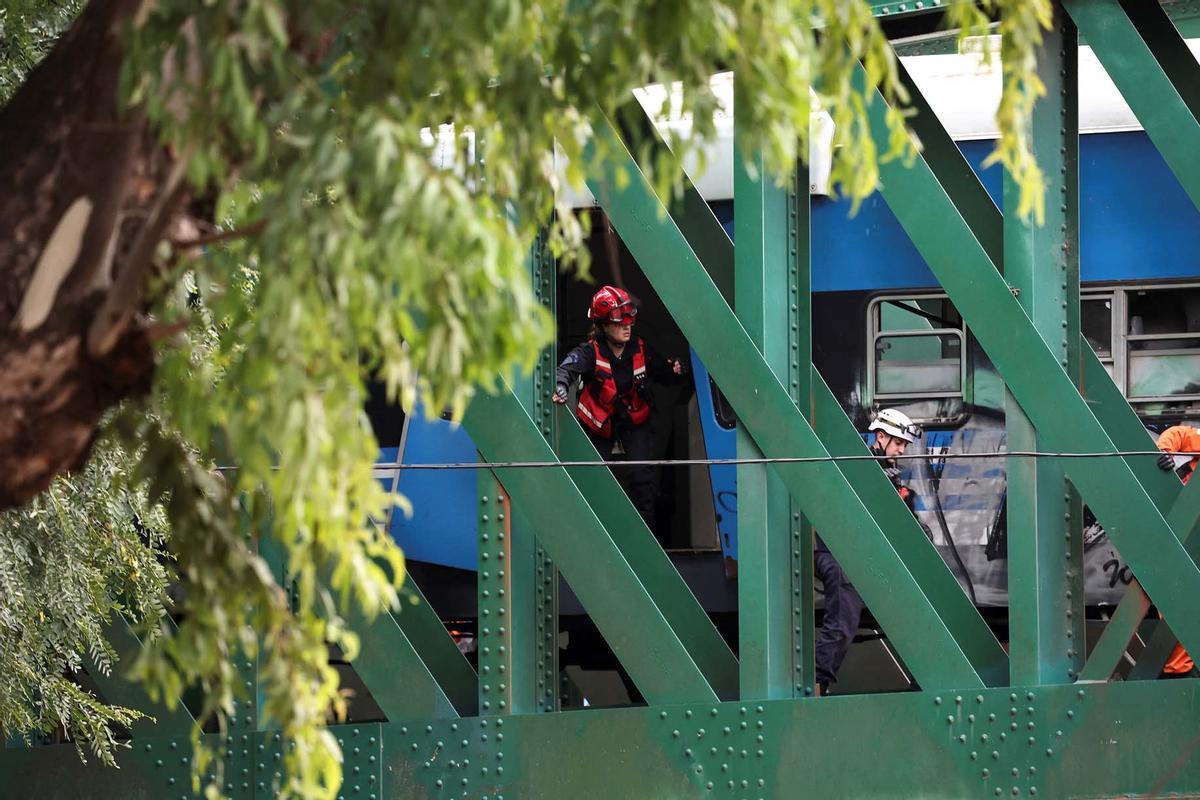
(615, 406)
(892, 432)
(1179, 439)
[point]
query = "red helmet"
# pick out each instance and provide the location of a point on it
(611, 304)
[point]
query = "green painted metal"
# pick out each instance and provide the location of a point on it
(799, 384)
(644, 555)
(920, 557)
(1104, 740)
(598, 573)
(119, 689)
(518, 600)
(1106, 655)
(708, 240)
(891, 514)
(1159, 644)
(1124, 427)
(543, 273)
(1041, 264)
(1040, 383)
(391, 667)
(903, 8)
(687, 207)
(762, 230)
(1184, 510)
(764, 406)
(505, 580)
(1156, 74)
(420, 624)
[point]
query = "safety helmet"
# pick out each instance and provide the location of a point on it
(896, 423)
(611, 304)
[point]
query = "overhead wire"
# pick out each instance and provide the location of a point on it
(701, 462)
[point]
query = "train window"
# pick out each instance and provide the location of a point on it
(1096, 322)
(917, 349)
(1163, 344)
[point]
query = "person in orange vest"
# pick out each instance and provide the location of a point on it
(1179, 439)
(615, 405)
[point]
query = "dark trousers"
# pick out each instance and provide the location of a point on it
(843, 610)
(639, 482)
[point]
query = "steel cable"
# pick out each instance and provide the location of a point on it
(701, 462)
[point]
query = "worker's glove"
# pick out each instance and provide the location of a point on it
(1166, 462)
(677, 366)
(891, 471)
(560, 394)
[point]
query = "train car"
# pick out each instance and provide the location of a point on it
(885, 335)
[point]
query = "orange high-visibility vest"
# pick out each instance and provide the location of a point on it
(599, 397)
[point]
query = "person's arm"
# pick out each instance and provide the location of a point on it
(1171, 439)
(579, 362)
(663, 370)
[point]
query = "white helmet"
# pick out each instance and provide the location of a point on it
(895, 423)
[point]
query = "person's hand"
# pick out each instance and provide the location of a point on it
(560, 394)
(1166, 462)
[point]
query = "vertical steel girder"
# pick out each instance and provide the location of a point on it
(1041, 264)
(910, 616)
(1155, 72)
(800, 384)
(1039, 381)
(598, 572)
(767, 647)
(518, 600)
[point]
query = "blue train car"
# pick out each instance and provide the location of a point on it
(885, 335)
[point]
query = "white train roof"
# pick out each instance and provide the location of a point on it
(962, 90)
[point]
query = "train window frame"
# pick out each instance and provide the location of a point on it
(1121, 338)
(1116, 322)
(875, 333)
(1128, 339)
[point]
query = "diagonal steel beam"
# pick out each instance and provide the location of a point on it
(1155, 72)
(392, 669)
(119, 689)
(644, 555)
(706, 238)
(1112, 644)
(892, 515)
(1154, 655)
(407, 659)
(1040, 383)
(884, 580)
(1183, 514)
(598, 572)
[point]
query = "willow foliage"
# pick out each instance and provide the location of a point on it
(379, 171)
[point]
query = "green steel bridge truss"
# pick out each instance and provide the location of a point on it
(1040, 717)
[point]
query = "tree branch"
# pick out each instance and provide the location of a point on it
(128, 289)
(245, 232)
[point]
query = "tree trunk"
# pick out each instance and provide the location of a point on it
(74, 167)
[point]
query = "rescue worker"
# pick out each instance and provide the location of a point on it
(615, 404)
(1179, 439)
(894, 432)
